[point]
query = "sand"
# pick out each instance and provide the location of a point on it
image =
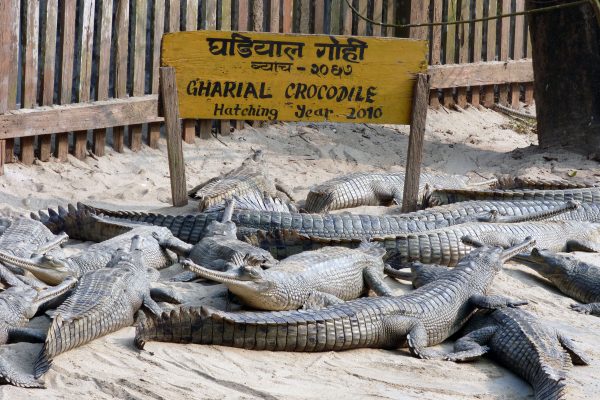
(474, 142)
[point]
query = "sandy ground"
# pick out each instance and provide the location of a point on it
(472, 142)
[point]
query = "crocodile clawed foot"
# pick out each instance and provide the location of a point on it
(581, 308)
(430, 354)
(517, 303)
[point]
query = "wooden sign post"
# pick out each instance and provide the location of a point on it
(290, 77)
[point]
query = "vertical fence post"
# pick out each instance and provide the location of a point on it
(49, 56)
(504, 45)
(99, 138)
(463, 51)
(30, 73)
(490, 50)
(518, 51)
(168, 89)
(122, 40)
(243, 13)
(436, 48)
(191, 24)
(450, 48)
(225, 124)
(477, 46)
(210, 9)
(415, 143)
(85, 75)
(159, 28)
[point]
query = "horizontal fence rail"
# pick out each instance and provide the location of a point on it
(76, 75)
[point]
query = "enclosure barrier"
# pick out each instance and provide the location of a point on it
(89, 52)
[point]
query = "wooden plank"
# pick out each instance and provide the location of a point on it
(49, 51)
(159, 28)
(334, 22)
(174, 145)
(448, 94)
(419, 14)
(528, 86)
(391, 17)
(482, 73)
(490, 50)
(243, 14)
(211, 23)
(225, 124)
(504, 46)
(477, 46)
(436, 48)
(66, 82)
(139, 67)
(463, 52)
(363, 8)
(9, 48)
(305, 17)
(79, 116)
(85, 76)
(347, 22)
(99, 138)
(288, 16)
(377, 16)
(30, 73)
(122, 40)
(288, 7)
(319, 16)
(191, 24)
(274, 11)
(518, 51)
(414, 155)
(257, 26)
(174, 15)
(382, 76)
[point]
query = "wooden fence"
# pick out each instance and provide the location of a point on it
(80, 72)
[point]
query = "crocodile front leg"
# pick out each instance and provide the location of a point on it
(152, 306)
(317, 300)
(165, 294)
(174, 244)
(591, 308)
(576, 354)
(495, 301)
(583, 245)
(471, 346)
(22, 334)
(374, 280)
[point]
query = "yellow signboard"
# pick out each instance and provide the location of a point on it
(289, 77)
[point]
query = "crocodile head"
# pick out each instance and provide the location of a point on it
(49, 269)
(550, 265)
(484, 262)
(254, 286)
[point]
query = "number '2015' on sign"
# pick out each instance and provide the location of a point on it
(361, 113)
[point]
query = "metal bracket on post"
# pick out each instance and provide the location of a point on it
(415, 143)
(170, 101)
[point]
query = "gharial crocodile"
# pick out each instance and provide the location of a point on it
(86, 226)
(191, 228)
(311, 279)
(219, 249)
(250, 178)
(513, 336)
(447, 196)
(18, 304)
(573, 277)
(372, 189)
(518, 340)
(103, 301)
(24, 237)
(425, 317)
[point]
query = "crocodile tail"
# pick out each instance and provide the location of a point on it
(550, 388)
(16, 378)
(189, 228)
